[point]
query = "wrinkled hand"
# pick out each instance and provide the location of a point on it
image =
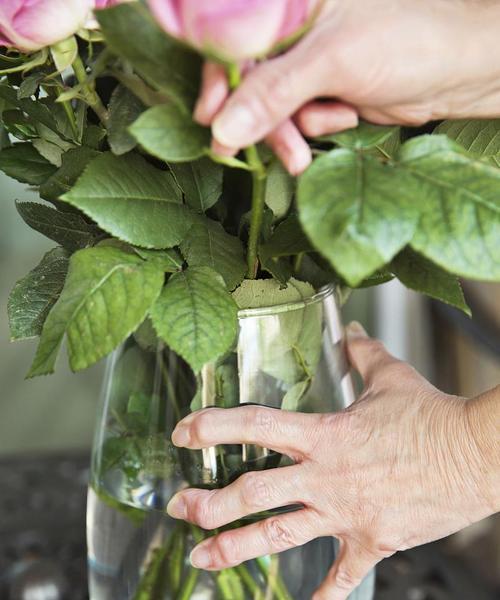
(397, 469)
(388, 61)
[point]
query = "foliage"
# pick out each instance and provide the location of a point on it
(150, 223)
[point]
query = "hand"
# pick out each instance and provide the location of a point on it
(388, 61)
(402, 466)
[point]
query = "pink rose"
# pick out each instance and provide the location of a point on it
(232, 29)
(29, 25)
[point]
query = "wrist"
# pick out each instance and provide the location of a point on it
(482, 418)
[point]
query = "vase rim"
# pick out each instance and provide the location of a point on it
(262, 311)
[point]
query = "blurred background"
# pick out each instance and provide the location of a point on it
(46, 429)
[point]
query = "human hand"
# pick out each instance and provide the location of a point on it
(402, 466)
(387, 61)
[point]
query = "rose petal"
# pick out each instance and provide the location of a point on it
(167, 12)
(296, 15)
(40, 23)
(233, 29)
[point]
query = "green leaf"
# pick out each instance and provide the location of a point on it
(208, 245)
(168, 260)
(480, 137)
(357, 211)
(363, 137)
(106, 296)
(51, 151)
(170, 134)
(34, 295)
(287, 342)
(73, 164)
(30, 85)
(292, 398)
(280, 188)
(201, 182)
(459, 199)
(264, 293)
(64, 53)
(288, 239)
(70, 230)
(132, 200)
(421, 275)
(23, 163)
(38, 111)
(124, 109)
(132, 33)
(279, 268)
(196, 316)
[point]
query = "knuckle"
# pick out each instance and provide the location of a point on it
(200, 511)
(226, 549)
(273, 89)
(277, 534)
(264, 420)
(199, 427)
(345, 579)
(255, 491)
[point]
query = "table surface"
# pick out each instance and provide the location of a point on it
(42, 516)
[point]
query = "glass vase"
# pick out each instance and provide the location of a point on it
(288, 357)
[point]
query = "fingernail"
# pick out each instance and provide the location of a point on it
(355, 329)
(180, 436)
(299, 161)
(200, 556)
(176, 508)
(234, 126)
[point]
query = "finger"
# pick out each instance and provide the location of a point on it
(290, 147)
(250, 494)
(322, 118)
(350, 568)
(287, 432)
(269, 536)
(366, 355)
(270, 93)
(214, 91)
(223, 150)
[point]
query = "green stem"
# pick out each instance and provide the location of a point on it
(89, 92)
(259, 176)
(249, 582)
(233, 75)
(190, 581)
(68, 109)
(274, 580)
(172, 396)
(154, 582)
(188, 585)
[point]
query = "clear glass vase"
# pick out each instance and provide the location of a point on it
(287, 357)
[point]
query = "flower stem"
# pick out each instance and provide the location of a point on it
(273, 579)
(249, 582)
(89, 92)
(68, 109)
(259, 176)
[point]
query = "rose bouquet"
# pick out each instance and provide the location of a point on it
(160, 240)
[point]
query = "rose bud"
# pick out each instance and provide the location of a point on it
(29, 25)
(232, 30)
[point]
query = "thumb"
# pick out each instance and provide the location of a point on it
(366, 355)
(268, 96)
(350, 568)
